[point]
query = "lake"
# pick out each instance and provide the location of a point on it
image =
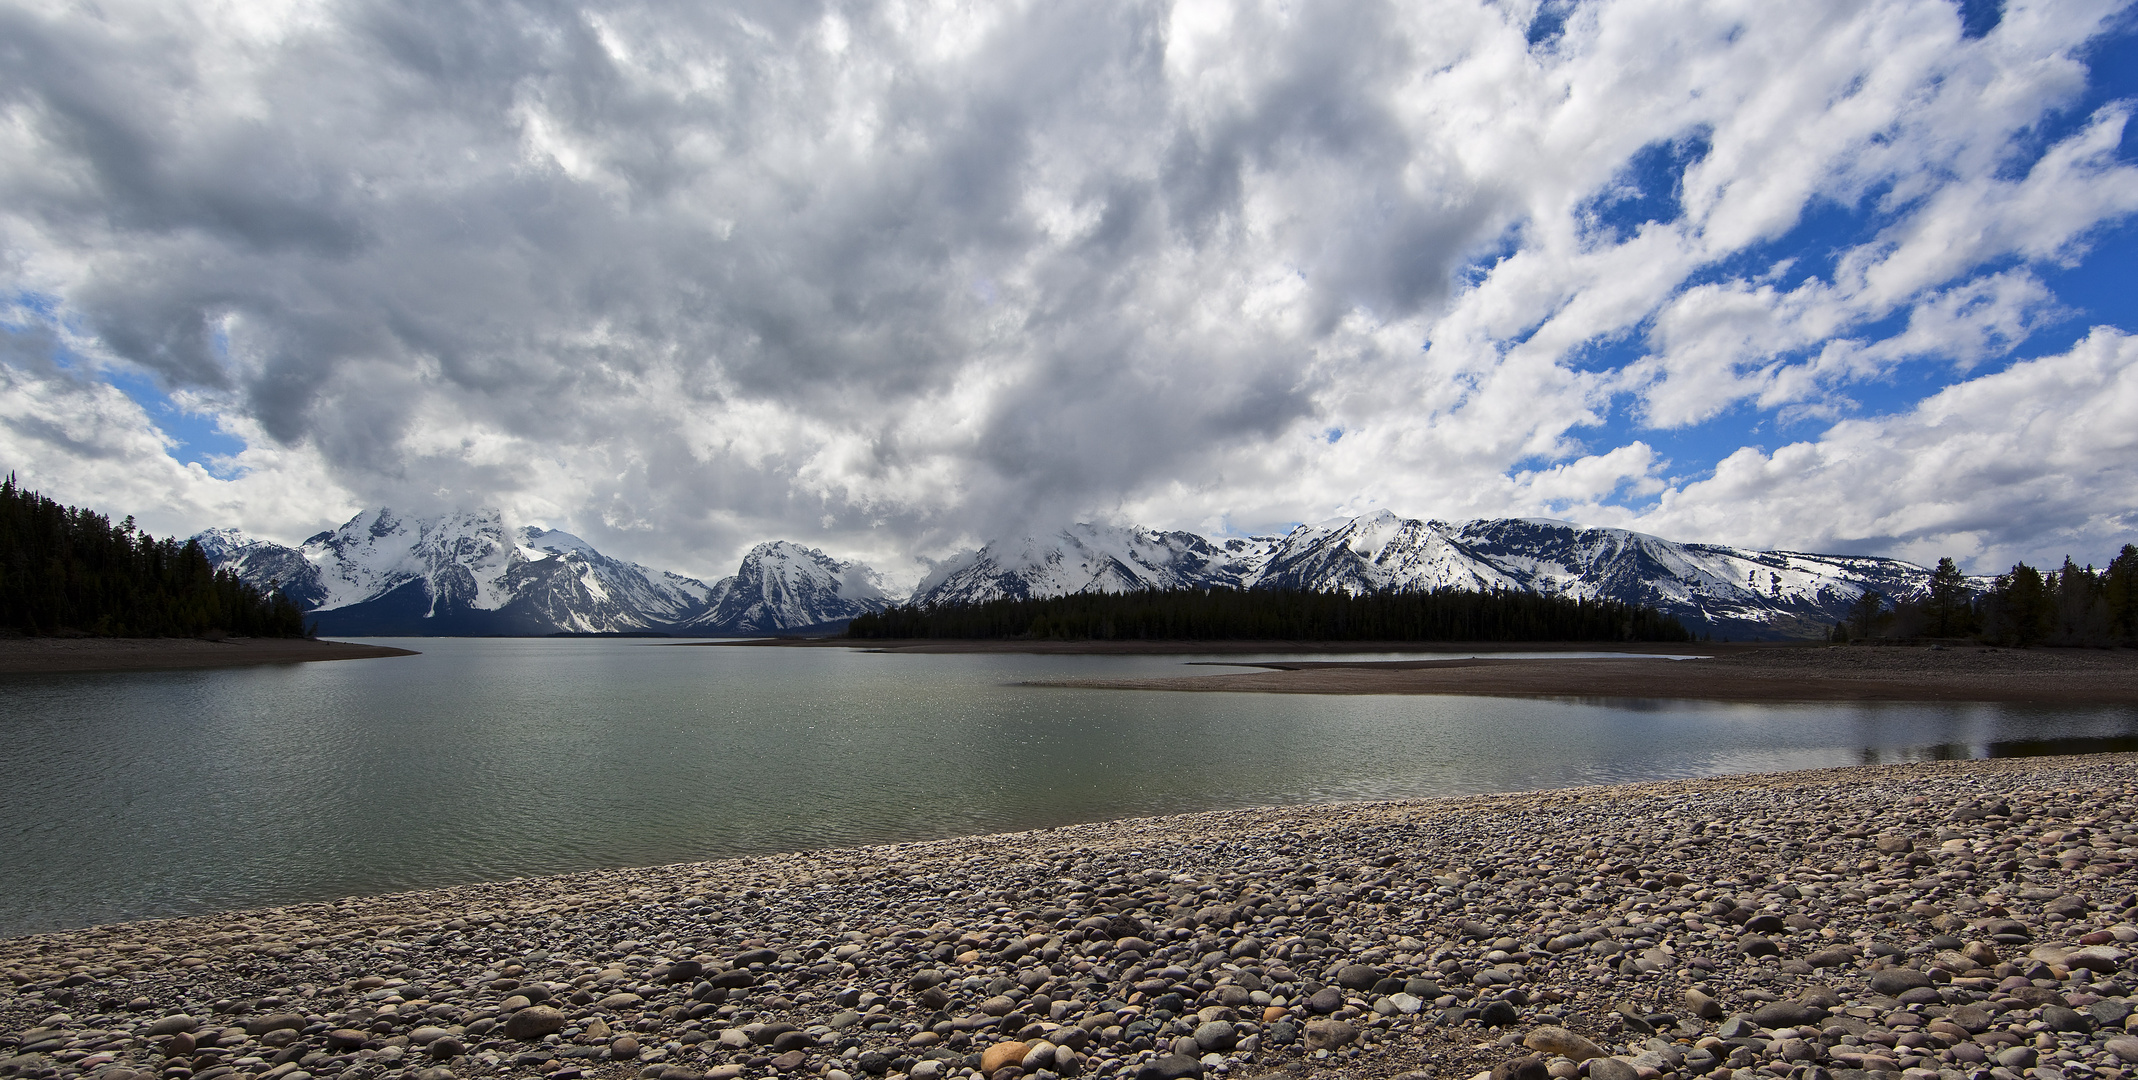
(162, 793)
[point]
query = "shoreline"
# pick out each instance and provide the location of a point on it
(42, 656)
(1833, 910)
(1823, 674)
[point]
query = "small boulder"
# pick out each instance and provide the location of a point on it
(1611, 1068)
(1357, 977)
(1526, 1068)
(1893, 982)
(1330, 1034)
(170, 1025)
(533, 1022)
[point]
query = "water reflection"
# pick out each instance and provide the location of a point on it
(161, 793)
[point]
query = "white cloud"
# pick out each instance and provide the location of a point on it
(2033, 462)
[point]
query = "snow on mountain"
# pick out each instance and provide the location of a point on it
(264, 563)
(784, 586)
(1092, 558)
(1727, 591)
(1376, 552)
(466, 573)
(1789, 594)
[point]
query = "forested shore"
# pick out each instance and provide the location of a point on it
(66, 570)
(1281, 615)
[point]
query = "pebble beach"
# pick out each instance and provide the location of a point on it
(1970, 920)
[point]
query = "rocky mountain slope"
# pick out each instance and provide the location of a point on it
(384, 574)
(784, 586)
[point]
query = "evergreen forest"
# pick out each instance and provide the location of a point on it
(68, 571)
(2070, 606)
(1281, 615)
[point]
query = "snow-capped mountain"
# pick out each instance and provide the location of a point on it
(1728, 591)
(384, 574)
(1092, 558)
(1376, 552)
(264, 563)
(784, 586)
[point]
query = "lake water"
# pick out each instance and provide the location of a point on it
(150, 794)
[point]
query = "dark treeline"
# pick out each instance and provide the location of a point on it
(2073, 605)
(1281, 615)
(65, 570)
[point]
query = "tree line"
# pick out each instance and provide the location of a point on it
(1224, 614)
(2072, 605)
(65, 570)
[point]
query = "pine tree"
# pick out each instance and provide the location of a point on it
(1863, 614)
(1947, 608)
(2019, 606)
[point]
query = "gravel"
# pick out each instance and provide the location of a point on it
(1949, 920)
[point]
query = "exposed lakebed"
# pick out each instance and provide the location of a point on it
(161, 793)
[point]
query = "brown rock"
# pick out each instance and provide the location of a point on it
(1274, 1013)
(1560, 1042)
(1002, 1054)
(623, 1048)
(347, 1039)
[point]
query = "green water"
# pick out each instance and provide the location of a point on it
(149, 794)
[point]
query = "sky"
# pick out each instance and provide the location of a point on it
(895, 279)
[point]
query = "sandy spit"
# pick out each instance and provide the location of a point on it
(1966, 673)
(41, 655)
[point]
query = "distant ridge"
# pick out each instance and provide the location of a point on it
(1725, 591)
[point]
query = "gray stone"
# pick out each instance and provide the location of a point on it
(170, 1025)
(1170, 1067)
(2060, 1018)
(1357, 977)
(1781, 1014)
(2018, 1057)
(1330, 1034)
(1215, 1035)
(1611, 1068)
(1326, 1000)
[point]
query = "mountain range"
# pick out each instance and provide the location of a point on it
(382, 574)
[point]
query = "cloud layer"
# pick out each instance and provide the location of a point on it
(894, 278)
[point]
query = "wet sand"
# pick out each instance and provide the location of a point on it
(41, 656)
